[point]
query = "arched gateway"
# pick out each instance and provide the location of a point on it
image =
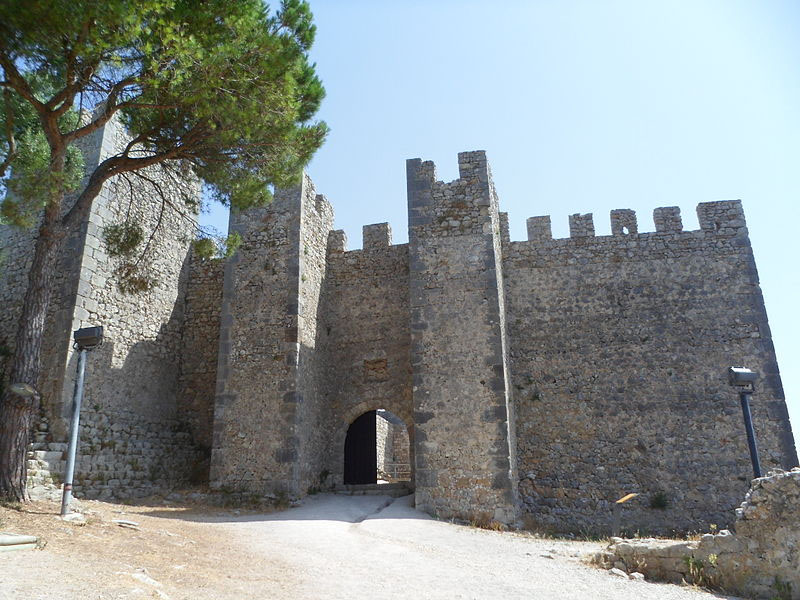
(377, 449)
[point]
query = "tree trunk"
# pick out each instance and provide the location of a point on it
(17, 413)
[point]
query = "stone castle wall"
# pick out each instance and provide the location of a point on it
(541, 379)
(393, 447)
(313, 409)
(463, 425)
(199, 351)
(133, 440)
(383, 442)
(364, 335)
(546, 376)
(620, 346)
(16, 258)
(268, 398)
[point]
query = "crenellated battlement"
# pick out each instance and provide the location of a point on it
(499, 355)
(375, 238)
(725, 217)
(581, 225)
(337, 241)
(464, 206)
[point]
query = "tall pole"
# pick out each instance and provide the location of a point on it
(744, 397)
(73, 433)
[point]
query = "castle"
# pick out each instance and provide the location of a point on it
(538, 381)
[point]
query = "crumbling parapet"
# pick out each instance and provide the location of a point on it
(760, 560)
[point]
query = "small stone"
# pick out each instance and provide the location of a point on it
(75, 519)
(635, 576)
(126, 524)
(618, 573)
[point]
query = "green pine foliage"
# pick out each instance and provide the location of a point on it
(225, 87)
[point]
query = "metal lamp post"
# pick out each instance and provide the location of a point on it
(86, 339)
(744, 380)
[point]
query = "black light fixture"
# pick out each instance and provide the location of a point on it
(86, 339)
(744, 380)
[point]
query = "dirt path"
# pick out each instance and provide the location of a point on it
(331, 547)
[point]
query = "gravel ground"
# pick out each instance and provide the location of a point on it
(330, 547)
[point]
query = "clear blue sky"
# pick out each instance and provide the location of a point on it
(582, 106)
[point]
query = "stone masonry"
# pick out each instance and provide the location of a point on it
(465, 463)
(534, 381)
(619, 350)
(760, 559)
(133, 439)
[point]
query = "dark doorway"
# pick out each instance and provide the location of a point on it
(360, 461)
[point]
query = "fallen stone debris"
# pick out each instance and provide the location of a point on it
(760, 559)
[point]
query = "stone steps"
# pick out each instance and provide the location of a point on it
(46, 455)
(49, 446)
(46, 463)
(395, 490)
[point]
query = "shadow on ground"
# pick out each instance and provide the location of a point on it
(320, 507)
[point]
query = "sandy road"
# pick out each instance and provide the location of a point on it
(331, 547)
(360, 547)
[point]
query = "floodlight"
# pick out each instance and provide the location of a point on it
(744, 380)
(88, 338)
(741, 377)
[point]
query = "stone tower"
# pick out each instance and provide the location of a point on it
(268, 395)
(463, 412)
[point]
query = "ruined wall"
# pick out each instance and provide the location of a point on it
(364, 335)
(267, 399)
(760, 560)
(462, 406)
(620, 346)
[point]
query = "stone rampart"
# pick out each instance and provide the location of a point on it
(620, 346)
(132, 438)
(543, 378)
(364, 335)
(268, 397)
(16, 257)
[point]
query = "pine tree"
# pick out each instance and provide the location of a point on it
(222, 89)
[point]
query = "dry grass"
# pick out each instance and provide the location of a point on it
(169, 551)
